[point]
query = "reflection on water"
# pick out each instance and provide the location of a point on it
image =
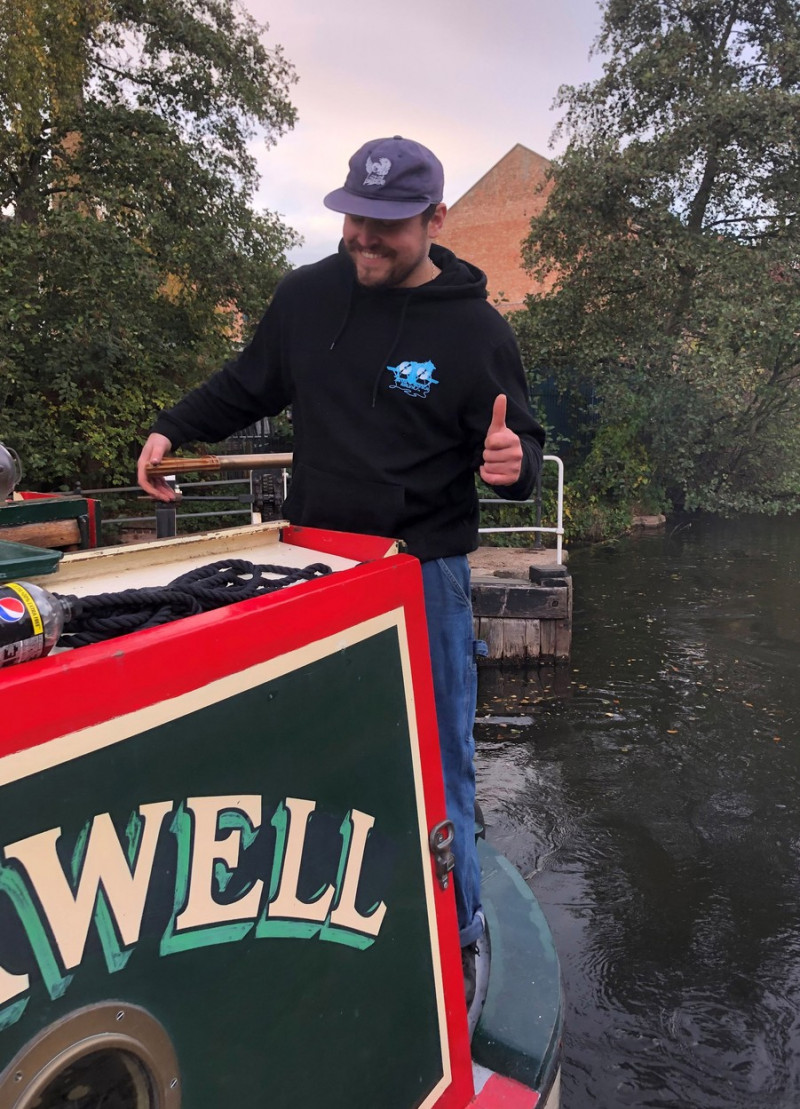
(652, 806)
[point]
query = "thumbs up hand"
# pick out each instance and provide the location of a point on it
(502, 450)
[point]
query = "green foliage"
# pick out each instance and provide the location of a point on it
(673, 231)
(617, 468)
(129, 250)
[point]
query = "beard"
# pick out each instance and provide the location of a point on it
(388, 271)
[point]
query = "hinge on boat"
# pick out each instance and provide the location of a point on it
(441, 840)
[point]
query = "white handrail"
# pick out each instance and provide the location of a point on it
(558, 530)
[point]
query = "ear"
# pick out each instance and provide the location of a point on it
(436, 222)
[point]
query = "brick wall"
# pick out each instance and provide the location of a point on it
(488, 223)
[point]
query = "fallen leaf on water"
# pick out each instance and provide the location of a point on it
(672, 731)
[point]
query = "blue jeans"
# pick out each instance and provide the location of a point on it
(448, 608)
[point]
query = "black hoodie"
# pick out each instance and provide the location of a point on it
(391, 393)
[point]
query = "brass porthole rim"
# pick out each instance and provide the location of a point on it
(104, 1026)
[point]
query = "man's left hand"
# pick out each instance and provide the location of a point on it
(502, 450)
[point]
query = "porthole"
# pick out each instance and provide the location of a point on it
(107, 1056)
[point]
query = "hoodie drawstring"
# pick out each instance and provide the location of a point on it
(398, 332)
(385, 360)
(345, 319)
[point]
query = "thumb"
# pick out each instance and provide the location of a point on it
(498, 414)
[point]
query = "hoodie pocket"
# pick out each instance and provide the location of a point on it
(320, 499)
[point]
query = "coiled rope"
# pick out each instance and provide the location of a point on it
(107, 615)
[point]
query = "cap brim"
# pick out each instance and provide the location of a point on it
(351, 204)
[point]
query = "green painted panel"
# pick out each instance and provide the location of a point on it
(18, 560)
(40, 510)
(257, 1017)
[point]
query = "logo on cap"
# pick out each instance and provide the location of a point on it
(376, 171)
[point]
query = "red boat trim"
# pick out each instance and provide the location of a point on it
(505, 1093)
(364, 548)
(132, 673)
(92, 514)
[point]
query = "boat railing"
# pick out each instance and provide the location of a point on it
(263, 482)
(536, 502)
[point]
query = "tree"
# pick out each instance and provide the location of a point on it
(673, 232)
(130, 257)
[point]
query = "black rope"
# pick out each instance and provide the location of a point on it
(107, 615)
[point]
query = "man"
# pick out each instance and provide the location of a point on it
(403, 382)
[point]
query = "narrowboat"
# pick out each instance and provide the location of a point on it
(224, 866)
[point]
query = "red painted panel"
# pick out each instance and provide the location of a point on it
(505, 1093)
(77, 689)
(92, 512)
(346, 544)
(168, 661)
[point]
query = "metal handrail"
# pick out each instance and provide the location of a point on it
(279, 461)
(558, 530)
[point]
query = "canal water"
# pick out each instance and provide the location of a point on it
(650, 794)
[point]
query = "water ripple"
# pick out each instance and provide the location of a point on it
(651, 804)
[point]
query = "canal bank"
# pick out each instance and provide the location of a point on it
(522, 604)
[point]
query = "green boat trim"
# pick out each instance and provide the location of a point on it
(521, 1024)
(19, 560)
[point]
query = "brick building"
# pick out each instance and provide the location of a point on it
(488, 223)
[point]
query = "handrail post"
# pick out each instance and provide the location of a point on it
(167, 514)
(538, 542)
(256, 496)
(560, 512)
(166, 520)
(558, 530)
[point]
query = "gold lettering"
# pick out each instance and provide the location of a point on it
(201, 909)
(69, 914)
(286, 902)
(11, 985)
(345, 915)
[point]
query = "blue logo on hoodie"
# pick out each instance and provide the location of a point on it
(414, 378)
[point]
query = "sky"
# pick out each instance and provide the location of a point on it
(467, 78)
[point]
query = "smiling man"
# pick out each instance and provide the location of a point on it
(404, 382)
(393, 252)
(388, 233)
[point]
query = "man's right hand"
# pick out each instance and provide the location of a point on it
(153, 451)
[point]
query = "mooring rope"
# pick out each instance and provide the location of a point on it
(107, 615)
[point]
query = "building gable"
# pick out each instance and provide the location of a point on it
(487, 224)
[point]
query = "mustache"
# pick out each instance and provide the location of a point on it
(356, 248)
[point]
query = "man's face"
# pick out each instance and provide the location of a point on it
(392, 253)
